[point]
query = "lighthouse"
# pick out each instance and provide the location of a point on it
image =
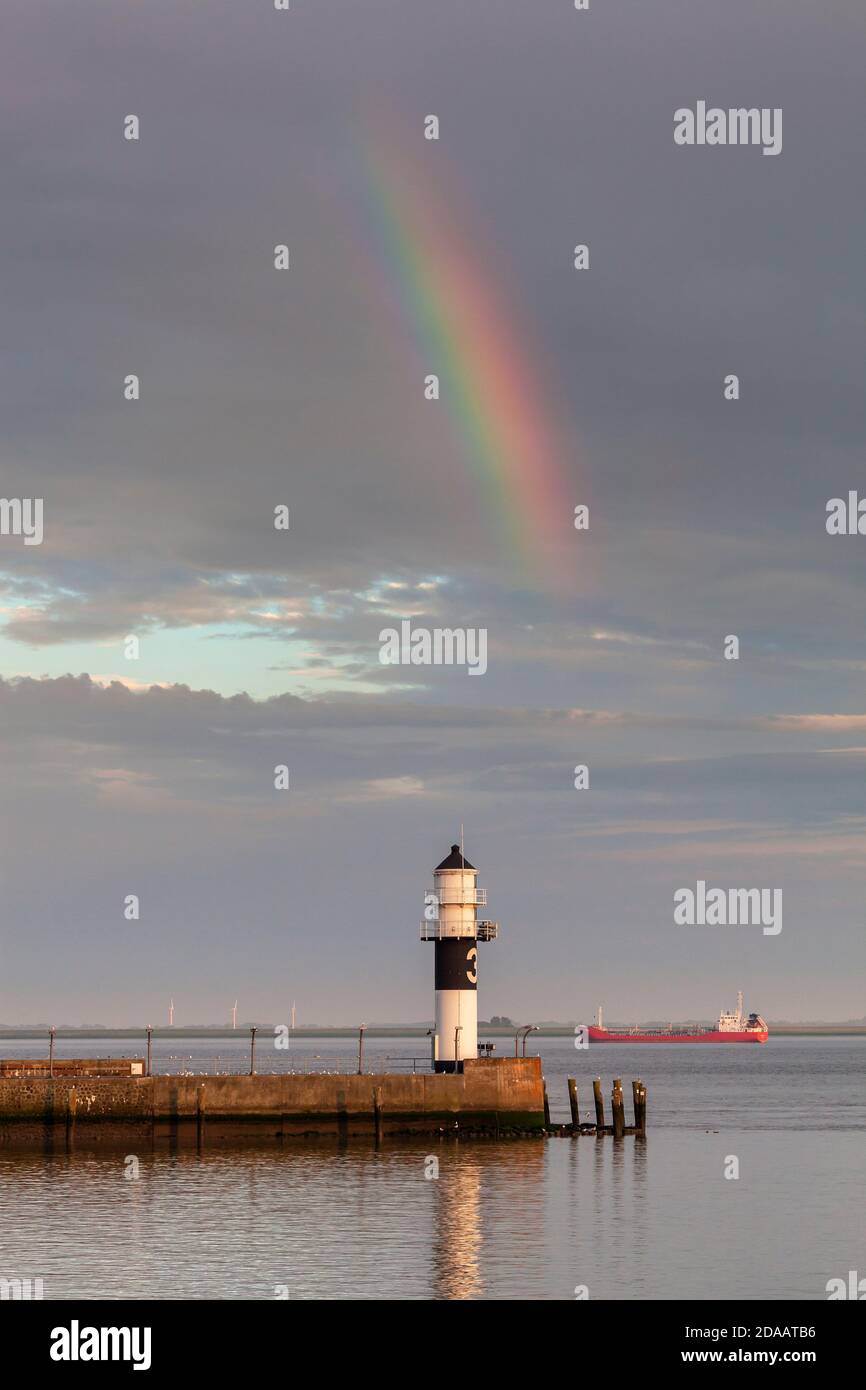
(451, 922)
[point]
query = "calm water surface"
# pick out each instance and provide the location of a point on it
(520, 1219)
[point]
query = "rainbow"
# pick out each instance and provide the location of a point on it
(459, 319)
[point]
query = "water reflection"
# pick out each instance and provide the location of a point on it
(519, 1219)
(456, 1245)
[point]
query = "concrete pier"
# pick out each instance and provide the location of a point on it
(491, 1095)
(64, 1066)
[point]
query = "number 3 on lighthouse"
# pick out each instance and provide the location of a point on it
(472, 972)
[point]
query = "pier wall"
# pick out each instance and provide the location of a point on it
(80, 1066)
(492, 1094)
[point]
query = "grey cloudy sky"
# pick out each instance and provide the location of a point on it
(304, 387)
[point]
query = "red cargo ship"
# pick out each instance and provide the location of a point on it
(731, 1029)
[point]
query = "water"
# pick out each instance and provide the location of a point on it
(524, 1219)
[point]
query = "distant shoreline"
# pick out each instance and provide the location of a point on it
(787, 1030)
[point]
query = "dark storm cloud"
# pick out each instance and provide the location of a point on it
(156, 258)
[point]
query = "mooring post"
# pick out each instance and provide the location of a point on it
(572, 1100)
(252, 1051)
(51, 1032)
(377, 1113)
(149, 1049)
(640, 1110)
(618, 1107)
(546, 1105)
(71, 1112)
(635, 1101)
(599, 1105)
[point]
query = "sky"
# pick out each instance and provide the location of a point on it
(153, 775)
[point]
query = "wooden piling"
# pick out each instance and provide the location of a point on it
(599, 1105)
(618, 1108)
(378, 1108)
(640, 1110)
(572, 1100)
(546, 1106)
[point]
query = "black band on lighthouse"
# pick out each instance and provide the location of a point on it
(456, 963)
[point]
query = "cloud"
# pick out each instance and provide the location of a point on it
(304, 389)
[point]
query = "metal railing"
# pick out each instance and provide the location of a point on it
(468, 931)
(245, 1058)
(448, 896)
(325, 1064)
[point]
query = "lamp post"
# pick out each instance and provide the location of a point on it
(361, 1031)
(51, 1032)
(529, 1028)
(252, 1051)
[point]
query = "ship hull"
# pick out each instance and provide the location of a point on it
(603, 1035)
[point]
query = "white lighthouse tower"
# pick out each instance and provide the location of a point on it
(451, 922)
